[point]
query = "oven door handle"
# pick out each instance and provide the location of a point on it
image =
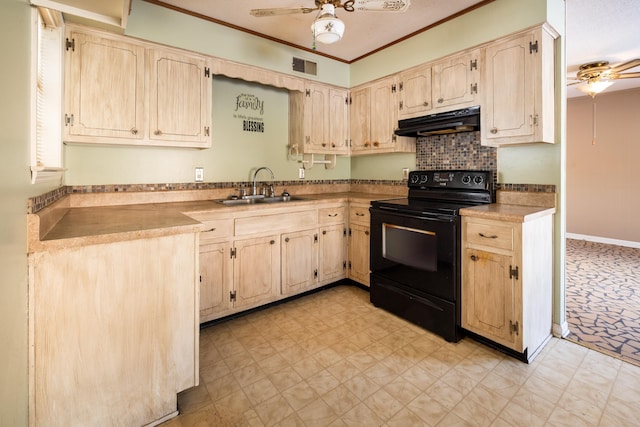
(413, 214)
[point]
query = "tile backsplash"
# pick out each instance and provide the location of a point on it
(455, 151)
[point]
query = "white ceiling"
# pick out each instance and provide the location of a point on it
(365, 31)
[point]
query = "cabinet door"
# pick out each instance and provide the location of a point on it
(488, 297)
(414, 89)
(316, 117)
(508, 110)
(104, 89)
(359, 253)
(332, 253)
(455, 81)
(179, 98)
(299, 261)
(216, 275)
(338, 121)
(384, 114)
(360, 120)
(256, 270)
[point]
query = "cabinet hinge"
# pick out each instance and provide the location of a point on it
(401, 86)
(206, 131)
(207, 72)
(401, 105)
(393, 88)
(344, 231)
(346, 101)
(393, 138)
(474, 87)
(514, 328)
(200, 279)
(533, 47)
(315, 237)
(68, 120)
(70, 44)
(233, 253)
(349, 232)
(307, 92)
(513, 272)
(232, 296)
(344, 265)
(349, 265)
(315, 273)
(473, 64)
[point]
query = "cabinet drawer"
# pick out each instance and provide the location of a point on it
(215, 229)
(334, 215)
(494, 235)
(274, 223)
(359, 215)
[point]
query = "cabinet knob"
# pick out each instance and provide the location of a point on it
(157, 132)
(286, 239)
(324, 232)
(272, 242)
(440, 100)
(333, 145)
(494, 130)
(493, 236)
(134, 131)
(425, 103)
(359, 214)
(376, 144)
(324, 144)
(366, 144)
(366, 233)
(474, 258)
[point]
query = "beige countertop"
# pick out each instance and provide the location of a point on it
(507, 212)
(78, 226)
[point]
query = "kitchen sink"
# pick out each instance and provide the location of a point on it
(259, 200)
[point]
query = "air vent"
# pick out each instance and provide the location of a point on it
(304, 66)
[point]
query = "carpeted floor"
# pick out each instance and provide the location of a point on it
(603, 298)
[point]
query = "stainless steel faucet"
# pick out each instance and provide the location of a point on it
(254, 191)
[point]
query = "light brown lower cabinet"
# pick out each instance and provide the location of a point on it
(359, 236)
(507, 282)
(307, 250)
(113, 331)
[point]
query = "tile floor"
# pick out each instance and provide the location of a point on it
(603, 297)
(332, 359)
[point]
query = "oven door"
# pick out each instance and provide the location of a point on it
(418, 252)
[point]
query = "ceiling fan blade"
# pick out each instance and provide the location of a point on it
(625, 65)
(379, 5)
(628, 76)
(574, 83)
(260, 13)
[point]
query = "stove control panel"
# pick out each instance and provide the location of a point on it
(453, 179)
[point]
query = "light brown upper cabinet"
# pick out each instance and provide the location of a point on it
(374, 117)
(455, 81)
(122, 91)
(414, 92)
(519, 90)
(319, 119)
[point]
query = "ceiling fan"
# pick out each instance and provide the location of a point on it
(594, 77)
(327, 27)
(600, 75)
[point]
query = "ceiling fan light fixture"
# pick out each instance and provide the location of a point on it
(327, 28)
(595, 86)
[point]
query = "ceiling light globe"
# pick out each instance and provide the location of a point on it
(327, 28)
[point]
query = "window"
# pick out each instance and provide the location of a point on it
(46, 111)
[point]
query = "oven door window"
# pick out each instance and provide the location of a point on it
(410, 246)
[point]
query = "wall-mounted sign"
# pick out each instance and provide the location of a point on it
(247, 109)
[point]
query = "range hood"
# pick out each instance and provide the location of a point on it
(463, 120)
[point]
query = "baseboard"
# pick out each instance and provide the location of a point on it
(560, 330)
(605, 240)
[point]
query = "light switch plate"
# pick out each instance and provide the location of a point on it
(405, 173)
(301, 173)
(199, 174)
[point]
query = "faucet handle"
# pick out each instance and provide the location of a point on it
(272, 192)
(243, 192)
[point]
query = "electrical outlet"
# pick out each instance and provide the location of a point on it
(199, 175)
(405, 173)
(301, 173)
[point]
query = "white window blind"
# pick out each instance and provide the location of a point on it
(46, 141)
